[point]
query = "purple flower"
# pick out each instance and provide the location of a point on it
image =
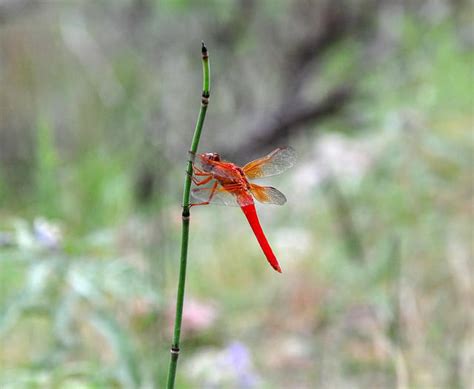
(46, 233)
(239, 358)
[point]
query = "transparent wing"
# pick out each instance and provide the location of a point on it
(216, 194)
(267, 194)
(274, 163)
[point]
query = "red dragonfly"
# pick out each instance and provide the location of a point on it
(222, 182)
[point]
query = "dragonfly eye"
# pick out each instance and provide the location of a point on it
(207, 159)
(213, 156)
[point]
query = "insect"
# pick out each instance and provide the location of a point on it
(222, 182)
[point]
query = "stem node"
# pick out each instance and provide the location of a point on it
(205, 98)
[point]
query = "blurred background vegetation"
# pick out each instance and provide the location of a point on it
(98, 102)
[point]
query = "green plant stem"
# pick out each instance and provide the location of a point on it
(186, 218)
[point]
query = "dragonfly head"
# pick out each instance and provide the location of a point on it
(207, 160)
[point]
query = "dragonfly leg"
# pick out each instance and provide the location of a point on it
(195, 172)
(199, 172)
(211, 195)
(203, 181)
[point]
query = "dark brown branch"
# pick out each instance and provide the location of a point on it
(302, 60)
(288, 121)
(303, 55)
(228, 34)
